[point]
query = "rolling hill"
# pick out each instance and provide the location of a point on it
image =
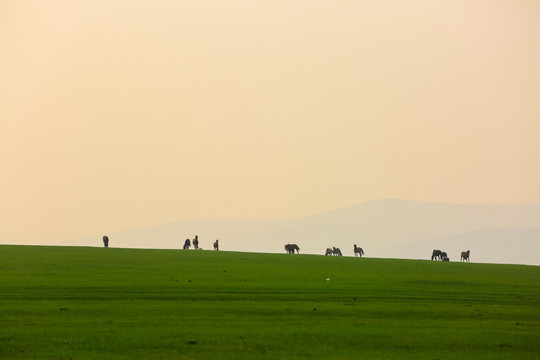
(516, 246)
(384, 228)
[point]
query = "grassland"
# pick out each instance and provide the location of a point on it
(96, 303)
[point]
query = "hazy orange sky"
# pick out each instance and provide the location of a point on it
(125, 114)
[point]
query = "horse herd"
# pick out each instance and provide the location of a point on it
(333, 251)
(358, 251)
(441, 255)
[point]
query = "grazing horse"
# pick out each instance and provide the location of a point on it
(329, 251)
(337, 252)
(187, 244)
(465, 256)
(436, 255)
(216, 245)
(290, 248)
(443, 255)
(358, 251)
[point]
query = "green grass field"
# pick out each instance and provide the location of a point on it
(96, 303)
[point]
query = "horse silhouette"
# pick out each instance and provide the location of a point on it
(329, 251)
(337, 252)
(216, 245)
(187, 244)
(465, 256)
(436, 255)
(358, 251)
(290, 248)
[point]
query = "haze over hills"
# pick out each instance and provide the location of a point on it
(383, 228)
(516, 246)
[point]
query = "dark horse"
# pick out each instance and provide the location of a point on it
(465, 256)
(337, 252)
(216, 245)
(436, 255)
(291, 247)
(187, 244)
(106, 241)
(358, 251)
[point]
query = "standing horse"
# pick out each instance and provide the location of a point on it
(290, 248)
(465, 256)
(358, 251)
(329, 251)
(436, 255)
(216, 245)
(337, 252)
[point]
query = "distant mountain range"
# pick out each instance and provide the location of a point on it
(501, 233)
(515, 246)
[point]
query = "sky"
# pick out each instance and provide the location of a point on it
(125, 114)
